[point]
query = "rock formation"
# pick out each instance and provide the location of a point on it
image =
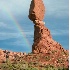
(53, 53)
(37, 10)
(43, 42)
(41, 60)
(5, 54)
(47, 52)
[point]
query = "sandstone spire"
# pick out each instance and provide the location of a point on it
(43, 42)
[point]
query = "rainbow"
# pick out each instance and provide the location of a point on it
(19, 28)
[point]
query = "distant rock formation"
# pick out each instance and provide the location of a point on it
(43, 42)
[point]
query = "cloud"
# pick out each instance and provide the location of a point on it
(15, 6)
(20, 42)
(5, 35)
(59, 32)
(17, 42)
(5, 25)
(28, 32)
(57, 8)
(6, 28)
(8, 31)
(2, 24)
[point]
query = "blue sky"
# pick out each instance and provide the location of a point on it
(56, 19)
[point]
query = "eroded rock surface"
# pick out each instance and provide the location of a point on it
(46, 50)
(43, 42)
(5, 54)
(37, 10)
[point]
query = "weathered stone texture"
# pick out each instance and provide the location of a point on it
(43, 42)
(37, 10)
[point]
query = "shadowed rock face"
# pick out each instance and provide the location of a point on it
(37, 10)
(43, 42)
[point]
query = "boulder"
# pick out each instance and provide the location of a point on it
(37, 10)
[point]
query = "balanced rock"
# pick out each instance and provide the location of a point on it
(43, 42)
(37, 10)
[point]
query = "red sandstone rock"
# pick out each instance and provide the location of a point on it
(43, 42)
(37, 10)
(4, 54)
(44, 59)
(53, 53)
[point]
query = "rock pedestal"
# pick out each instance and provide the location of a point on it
(43, 42)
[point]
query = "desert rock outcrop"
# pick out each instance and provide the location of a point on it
(43, 42)
(5, 54)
